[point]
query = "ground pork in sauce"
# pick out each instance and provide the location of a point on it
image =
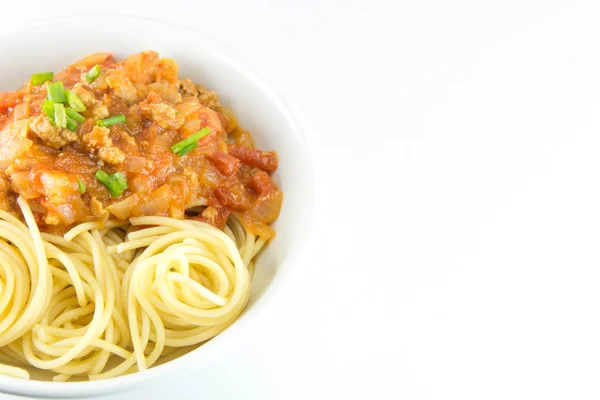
(48, 165)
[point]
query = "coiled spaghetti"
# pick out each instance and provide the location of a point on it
(100, 303)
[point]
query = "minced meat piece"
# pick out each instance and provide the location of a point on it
(68, 135)
(163, 114)
(97, 138)
(111, 155)
(50, 134)
(208, 98)
(96, 207)
(99, 112)
(51, 219)
(188, 88)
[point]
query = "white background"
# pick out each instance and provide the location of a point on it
(457, 148)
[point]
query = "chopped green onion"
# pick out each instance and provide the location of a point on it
(80, 186)
(48, 108)
(120, 179)
(92, 74)
(60, 117)
(187, 149)
(75, 115)
(38, 79)
(56, 92)
(74, 101)
(71, 123)
(103, 176)
(110, 121)
(115, 183)
(192, 140)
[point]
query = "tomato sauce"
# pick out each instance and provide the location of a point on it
(48, 166)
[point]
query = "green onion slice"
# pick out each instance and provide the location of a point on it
(185, 146)
(110, 121)
(41, 77)
(187, 149)
(74, 101)
(48, 108)
(92, 74)
(120, 179)
(71, 123)
(60, 117)
(75, 115)
(56, 92)
(80, 186)
(115, 183)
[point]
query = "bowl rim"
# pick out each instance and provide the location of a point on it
(264, 304)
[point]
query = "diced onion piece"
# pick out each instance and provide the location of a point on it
(266, 208)
(187, 108)
(232, 121)
(20, 184)
(13, 142)
(22, 110)
(134, 164)
(157, 202)
(262, 230)
(166, 70)
(122, 209)
(190, 126)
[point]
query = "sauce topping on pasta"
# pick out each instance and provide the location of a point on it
(104, 140)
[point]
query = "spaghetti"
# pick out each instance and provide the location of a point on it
(113, 301)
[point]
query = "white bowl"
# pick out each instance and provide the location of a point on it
(52, 44)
